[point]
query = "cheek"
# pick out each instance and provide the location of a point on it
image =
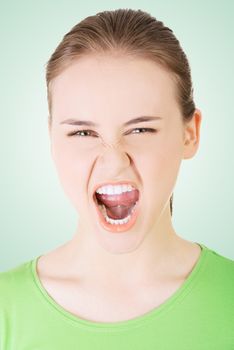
(72, 170)
(67, 157)
(161, 165)
(159, 173)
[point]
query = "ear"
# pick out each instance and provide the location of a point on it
(192, 135)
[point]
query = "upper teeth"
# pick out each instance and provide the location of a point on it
(110, 189)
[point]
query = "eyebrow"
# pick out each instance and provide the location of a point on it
(90, 123)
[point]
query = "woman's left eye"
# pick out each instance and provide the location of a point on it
(78, 132)
(147, 130)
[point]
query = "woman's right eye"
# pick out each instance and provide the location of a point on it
(79, 132)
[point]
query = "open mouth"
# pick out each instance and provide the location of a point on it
(117, 209)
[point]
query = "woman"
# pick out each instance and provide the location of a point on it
(121, 120)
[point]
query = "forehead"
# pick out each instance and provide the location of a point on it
(104, 82)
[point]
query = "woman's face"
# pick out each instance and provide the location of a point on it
(109, 91)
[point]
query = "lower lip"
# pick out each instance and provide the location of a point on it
(118, 228)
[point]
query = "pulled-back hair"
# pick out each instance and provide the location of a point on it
(126, 32)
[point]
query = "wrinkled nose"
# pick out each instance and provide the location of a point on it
(111, 145)
(113, 157)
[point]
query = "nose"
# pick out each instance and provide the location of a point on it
(113, 158)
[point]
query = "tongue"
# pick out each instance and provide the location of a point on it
(118, 212)
(118, 206)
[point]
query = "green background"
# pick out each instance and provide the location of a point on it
(36, 216)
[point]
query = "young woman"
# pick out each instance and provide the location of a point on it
(121, 120)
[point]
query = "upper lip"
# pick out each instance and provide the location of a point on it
(124, 182)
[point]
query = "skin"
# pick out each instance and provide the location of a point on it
(110, 90)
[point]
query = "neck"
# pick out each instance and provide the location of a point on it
(157, 255)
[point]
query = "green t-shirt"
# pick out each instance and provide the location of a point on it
(198, 316)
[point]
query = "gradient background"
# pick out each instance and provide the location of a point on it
(36, 216)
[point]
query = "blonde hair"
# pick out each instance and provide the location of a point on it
(128, 32)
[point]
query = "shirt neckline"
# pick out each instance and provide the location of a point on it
(136, 321)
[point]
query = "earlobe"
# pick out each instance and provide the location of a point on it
(192, 135)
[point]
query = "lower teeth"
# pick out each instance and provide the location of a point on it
(113, 221)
